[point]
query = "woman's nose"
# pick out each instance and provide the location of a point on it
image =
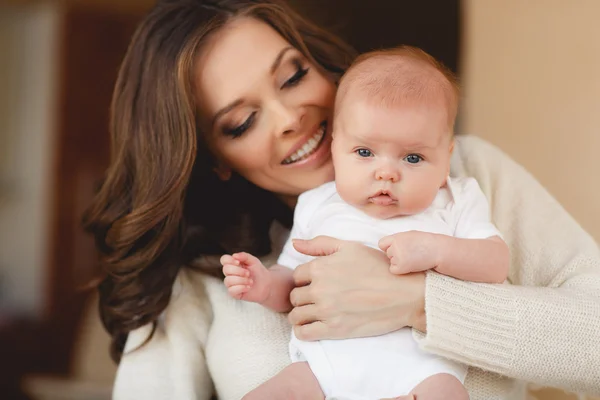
(289, 118)
(387, 174)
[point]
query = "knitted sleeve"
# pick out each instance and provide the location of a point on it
(543, 327)
(172, 364)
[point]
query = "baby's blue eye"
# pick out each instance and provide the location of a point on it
(413, 158)
(364, 153)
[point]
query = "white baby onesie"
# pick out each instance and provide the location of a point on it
(390, 365)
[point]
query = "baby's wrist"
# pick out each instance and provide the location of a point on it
(268, 284)
(437, 246)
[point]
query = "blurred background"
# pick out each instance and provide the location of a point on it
(531, 85)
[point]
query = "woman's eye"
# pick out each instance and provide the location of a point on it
(240, 129)
(364, 153)
(297, 77)
(413, 158)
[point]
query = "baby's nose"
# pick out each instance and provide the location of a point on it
(387, 174)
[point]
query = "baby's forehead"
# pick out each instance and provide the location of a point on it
(379, 126)
(398, 78)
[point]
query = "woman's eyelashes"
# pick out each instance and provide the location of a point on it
(294, 80)
(298, 75)
(240, 129)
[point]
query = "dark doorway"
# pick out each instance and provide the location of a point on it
(433, 25)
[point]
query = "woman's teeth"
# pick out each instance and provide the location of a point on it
(309, 147)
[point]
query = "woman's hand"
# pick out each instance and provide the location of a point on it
(348, 292)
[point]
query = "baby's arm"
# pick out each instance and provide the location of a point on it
(246, 278)
(476, 260)
(474, 253)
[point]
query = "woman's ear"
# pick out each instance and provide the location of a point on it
(223, 172)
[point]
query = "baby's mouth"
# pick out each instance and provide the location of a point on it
(309, 147)
(383, 198)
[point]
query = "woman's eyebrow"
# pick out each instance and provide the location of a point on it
(278, 59)
(237, 102)
(226, 109)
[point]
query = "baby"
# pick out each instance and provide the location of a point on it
(392, 143)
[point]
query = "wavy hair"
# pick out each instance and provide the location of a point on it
(154, 212)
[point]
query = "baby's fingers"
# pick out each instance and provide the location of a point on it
(228, 259)
(246, 258)
(237, 281)
(238, 291)
(235, 270)
(386, 242)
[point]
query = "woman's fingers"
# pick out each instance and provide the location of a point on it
(301, 296)
(235, 270)
(302, 274)
(309, 332)
(303, 315)
(318, 246)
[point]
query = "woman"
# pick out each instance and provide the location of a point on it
(220, 118)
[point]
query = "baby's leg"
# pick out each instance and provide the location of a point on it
(295, 382)
(439, 387)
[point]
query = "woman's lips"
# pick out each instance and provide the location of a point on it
(318, 156)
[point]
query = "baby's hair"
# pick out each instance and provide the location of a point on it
(397, 76)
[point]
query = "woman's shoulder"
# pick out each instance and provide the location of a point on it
(157, 363)
(189, 311)
(473, 154)
(493, 169)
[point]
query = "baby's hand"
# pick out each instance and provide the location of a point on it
(411, 251)
(246, 277)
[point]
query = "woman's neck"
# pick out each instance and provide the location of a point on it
(288, 200)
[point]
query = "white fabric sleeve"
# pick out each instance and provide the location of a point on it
(289, 256)
(172, 364)
(308, 203)
(472, 211)
(545, 327)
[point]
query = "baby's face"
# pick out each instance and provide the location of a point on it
(390, 163)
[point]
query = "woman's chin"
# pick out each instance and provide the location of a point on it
(313, 179)
(324, 174)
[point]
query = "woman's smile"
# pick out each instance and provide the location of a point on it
(277, 114)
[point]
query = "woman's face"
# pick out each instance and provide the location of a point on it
(265, 108)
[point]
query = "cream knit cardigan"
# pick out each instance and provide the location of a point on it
(543, 328)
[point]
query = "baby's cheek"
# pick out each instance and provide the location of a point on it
(421, 198)
(349, 189)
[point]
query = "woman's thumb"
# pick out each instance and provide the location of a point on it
(318, 246)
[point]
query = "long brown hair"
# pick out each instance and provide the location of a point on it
(156, 210)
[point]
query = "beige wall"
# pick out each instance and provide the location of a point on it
(27, 100)
(531, 73)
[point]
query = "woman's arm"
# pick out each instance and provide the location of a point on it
(172, 364)
(547, 329)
